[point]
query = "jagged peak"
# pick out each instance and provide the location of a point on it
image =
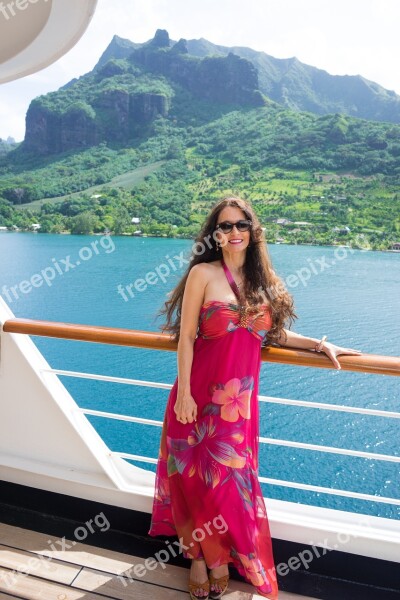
(120, 41)
(180, 47)
(160, 39)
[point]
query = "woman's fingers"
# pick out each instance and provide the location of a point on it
(186, 410)
(184, 418)
(330, 354)
(335, 362)
(349, 351)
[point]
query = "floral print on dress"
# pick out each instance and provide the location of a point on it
(242, 479)
(257, 323)
(204, 452)
(254, 570)
(207, 470)
(234, 398)
(162, 493)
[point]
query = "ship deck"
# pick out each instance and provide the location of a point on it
(38, 566)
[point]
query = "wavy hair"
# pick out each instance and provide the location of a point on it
(261, 283)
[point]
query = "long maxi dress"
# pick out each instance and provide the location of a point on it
(206, 488)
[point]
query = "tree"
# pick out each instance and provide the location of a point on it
(83, 224)
(122, 220)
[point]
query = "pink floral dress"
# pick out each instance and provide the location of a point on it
(206, 489)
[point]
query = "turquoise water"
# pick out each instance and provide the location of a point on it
(351, 296)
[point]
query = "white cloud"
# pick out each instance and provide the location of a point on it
(339, 36)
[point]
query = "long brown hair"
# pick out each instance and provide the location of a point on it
(260, 279)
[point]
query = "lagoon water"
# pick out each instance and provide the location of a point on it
(352, 296)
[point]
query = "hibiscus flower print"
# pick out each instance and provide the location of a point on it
(242, 479)
(234, 398)
(162, 494)
(254, 569)
(206, 450)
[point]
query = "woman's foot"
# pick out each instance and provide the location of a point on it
(217, 573)
(199, 575)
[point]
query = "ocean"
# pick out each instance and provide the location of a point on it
(350, 295)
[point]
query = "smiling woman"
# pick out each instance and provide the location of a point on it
(36, 33)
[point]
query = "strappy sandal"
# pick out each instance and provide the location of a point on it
(222, 582)
(194, 586)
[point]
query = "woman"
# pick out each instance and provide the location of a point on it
(207, 490)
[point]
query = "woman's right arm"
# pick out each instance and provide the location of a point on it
(185, 406)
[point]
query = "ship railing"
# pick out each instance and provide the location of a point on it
(364, 363)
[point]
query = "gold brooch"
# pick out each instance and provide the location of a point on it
(245, 312)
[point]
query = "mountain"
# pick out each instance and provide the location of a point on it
(7, 145)
(134, 84)
(130, 88)
(294, 84)
(157, 132)
(305, 88)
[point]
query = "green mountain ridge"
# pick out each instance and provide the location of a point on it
(292, 83)
(160, 135)
(132, 85)
(118, 100)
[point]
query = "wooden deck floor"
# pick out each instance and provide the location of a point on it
(31, 569)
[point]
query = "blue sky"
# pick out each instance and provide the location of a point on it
(341, 36)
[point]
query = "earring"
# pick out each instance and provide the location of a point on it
(217, 246)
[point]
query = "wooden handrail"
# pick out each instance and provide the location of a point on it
(364, 363)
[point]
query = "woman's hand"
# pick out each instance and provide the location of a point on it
(332, 351)
(185, 408)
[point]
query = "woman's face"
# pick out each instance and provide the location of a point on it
(234, 241)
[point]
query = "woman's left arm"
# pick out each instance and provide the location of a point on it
(295, 340)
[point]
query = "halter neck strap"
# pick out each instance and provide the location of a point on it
(231, 281)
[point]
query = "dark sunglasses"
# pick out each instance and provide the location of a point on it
(242, 225)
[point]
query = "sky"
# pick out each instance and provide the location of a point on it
(343, 37)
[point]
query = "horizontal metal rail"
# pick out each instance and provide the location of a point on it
(139, 382)
(119, 417)
(330, 449)
(365, 363)
(282, 482)
(262, 440)
(270, 399)
(374, 412)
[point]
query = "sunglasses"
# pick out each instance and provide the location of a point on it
(242, 225)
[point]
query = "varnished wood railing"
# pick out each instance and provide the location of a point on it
(365, 363)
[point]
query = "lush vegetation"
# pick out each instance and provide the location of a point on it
(7, 145)
(294, 84)
(84, 92)
(331, 177)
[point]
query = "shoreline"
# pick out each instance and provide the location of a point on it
(188, 238)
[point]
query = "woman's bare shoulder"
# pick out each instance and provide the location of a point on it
(206, 273)
(207, 267)
(202, 272)
(212, 266)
